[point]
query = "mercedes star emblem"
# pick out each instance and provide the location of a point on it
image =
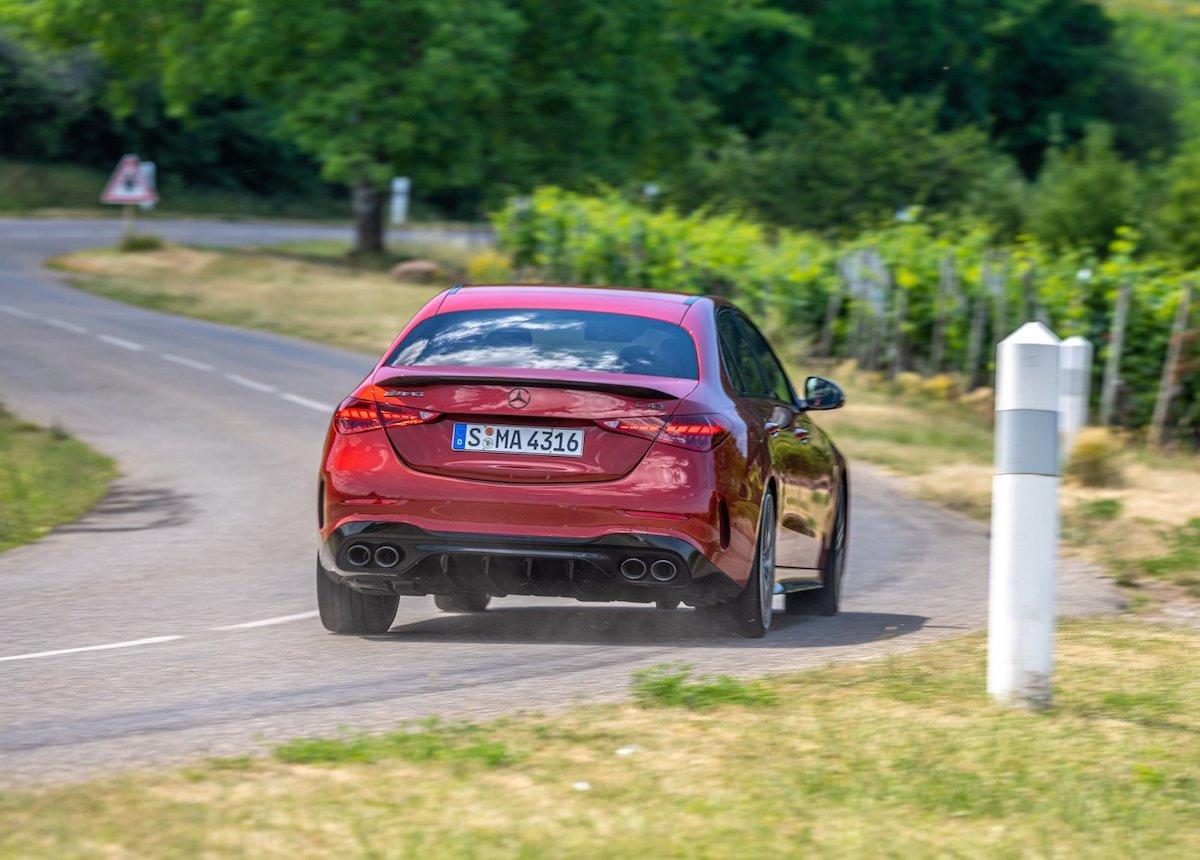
(518, 398)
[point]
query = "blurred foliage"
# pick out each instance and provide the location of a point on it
(937, 103)
(792, 282)
(1083, 195)
(1095, 458)
(53, 108)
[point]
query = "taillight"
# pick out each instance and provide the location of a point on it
(647, 428)
(356, 415)
(694, 432)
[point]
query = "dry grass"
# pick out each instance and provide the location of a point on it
(1112, 770)
(335, 304)
(943, 451)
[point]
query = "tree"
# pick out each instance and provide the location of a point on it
(593, 94)
(1084, 194)
(1178, 219)
(841, 163)
(1022, 69)
(369, 89)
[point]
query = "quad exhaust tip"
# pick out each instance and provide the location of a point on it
(633, 568)
(358, 555)
(663, 570)
(387, 556)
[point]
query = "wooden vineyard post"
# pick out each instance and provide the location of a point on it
(898, 356)
(999, 288)
(1112, 361)
(947, 294)
(842, 285)
(1168, 386)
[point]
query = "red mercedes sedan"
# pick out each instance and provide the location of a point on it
(593, 443)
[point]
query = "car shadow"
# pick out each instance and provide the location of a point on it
(642, 626)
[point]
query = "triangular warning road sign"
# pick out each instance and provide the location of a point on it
(128, 185)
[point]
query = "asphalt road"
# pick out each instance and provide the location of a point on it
(177, 620)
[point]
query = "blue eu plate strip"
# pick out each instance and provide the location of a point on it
(458, 442)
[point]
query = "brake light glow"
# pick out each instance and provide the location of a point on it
(356, 415)
(646, 428)
(694, 432)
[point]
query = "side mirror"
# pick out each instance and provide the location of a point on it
(821, 393)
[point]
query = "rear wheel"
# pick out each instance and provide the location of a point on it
(462, 602)
(750, 614)
(825, 600)
(344, 610)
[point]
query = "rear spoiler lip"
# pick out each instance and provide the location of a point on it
(630, 389)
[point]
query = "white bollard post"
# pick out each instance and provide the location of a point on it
(1021, 590)
(1074, 382)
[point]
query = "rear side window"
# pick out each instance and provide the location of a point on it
(540, 339)
(743, 370)
(775, 381)
(752, 366)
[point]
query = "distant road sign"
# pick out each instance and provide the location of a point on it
(128, 184)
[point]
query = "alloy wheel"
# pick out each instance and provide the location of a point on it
(766, 563)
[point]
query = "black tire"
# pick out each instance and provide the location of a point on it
(750, 614)
(462, 602)
(344, 610)
(666, 604)
(825, 600)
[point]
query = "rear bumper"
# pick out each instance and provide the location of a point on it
(429, 562)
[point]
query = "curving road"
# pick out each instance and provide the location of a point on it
(176, 620)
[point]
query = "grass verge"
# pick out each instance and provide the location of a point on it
(46, 479)
(291, 292)
(900, 757)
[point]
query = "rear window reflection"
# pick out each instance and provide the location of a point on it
(550, 340)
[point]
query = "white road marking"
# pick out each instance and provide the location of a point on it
(18, 312)
(121, 342)
(304, 401)
(186, 362)
(249, 383)
(267, 622)
(153, 640)
(55, 322)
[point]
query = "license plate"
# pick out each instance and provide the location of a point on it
(503, 439)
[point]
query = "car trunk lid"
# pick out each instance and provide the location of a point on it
(525, 401)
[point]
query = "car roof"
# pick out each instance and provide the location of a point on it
(643, 303)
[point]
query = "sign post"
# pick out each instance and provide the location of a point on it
(129, 186)
(401, 186)
(1021, 587)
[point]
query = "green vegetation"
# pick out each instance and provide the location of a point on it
(46, 479)
(823, 116)
(462, 744)
(899, 757)
(674, 687)
(1181, 563)
(915, 295)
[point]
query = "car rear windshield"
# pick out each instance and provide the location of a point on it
(549, 340)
